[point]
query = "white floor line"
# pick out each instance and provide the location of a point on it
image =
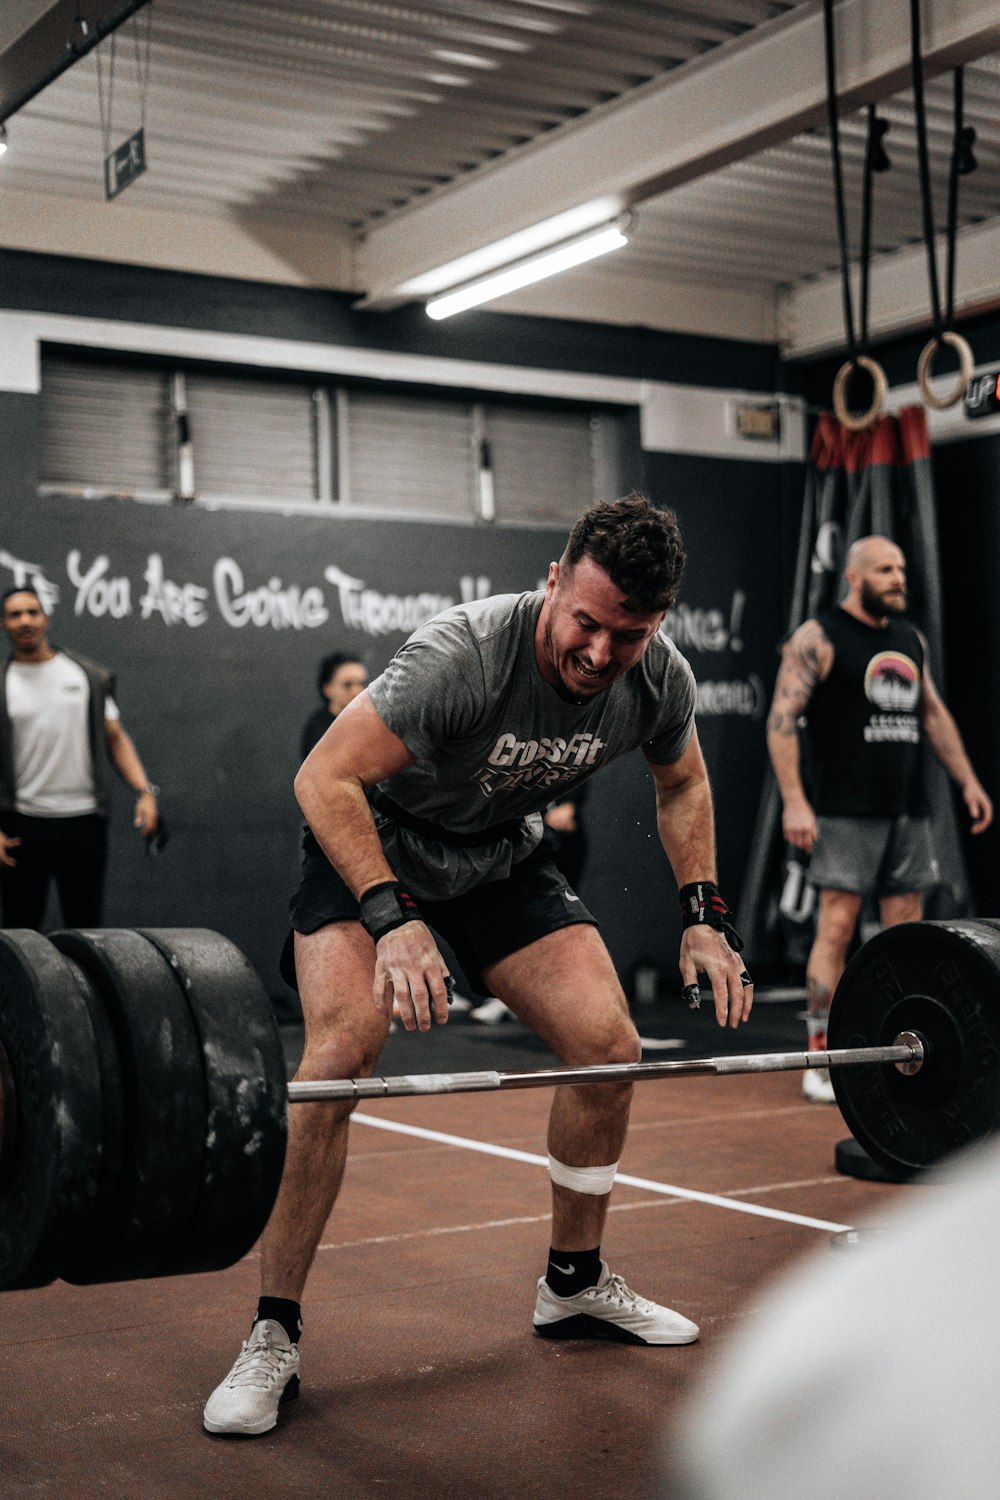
(686, 1122)
(479, 1227)
(714, 1200)
(482, 1225)
(636, 1126)
(786, 1187)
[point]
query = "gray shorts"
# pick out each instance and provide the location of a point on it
(874, 856)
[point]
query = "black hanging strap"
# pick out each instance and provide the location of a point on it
(963, 162)
(876, 160)
(838, 177)
(923, 157)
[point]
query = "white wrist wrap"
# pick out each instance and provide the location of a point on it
(596, 1180)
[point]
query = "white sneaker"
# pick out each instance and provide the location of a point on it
(491, 1012)
(609, 1310)
(460, 1003)
(816, 1086)
(265, 1375)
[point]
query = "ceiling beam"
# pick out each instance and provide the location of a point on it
(766, 87)
(811, 313)
(53, 42)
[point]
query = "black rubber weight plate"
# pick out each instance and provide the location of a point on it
(163, 1099)
(851, 1161)
(941, 979)
(51, 1167)
(108, 1179)
(247, 1090)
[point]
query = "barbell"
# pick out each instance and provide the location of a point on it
(907, 1053)
(144, 1095)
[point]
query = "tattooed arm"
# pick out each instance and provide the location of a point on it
(806, 660)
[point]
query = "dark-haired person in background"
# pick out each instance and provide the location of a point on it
(424, 803)
(59, 725)
(340, 679)
(860, 676)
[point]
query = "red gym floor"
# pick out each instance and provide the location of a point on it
(420, 1373)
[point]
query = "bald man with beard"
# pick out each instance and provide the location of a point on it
(860, 677)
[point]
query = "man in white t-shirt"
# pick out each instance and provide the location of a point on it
(59, 725)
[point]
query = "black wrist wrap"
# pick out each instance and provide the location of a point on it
(701, 904)
(385, 907)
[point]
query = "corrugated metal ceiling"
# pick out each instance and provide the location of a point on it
(337, 115)
(771, 219)
(343, 111)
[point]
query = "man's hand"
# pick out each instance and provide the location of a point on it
(6, 845)
(410, 971)
(798, 824)
(979, 805)
(146, 814)
(704, 950)
(561, 817)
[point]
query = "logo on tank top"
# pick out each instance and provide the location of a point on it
(892, 684)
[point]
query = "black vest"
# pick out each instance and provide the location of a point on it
(865, 734)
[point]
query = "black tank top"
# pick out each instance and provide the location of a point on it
(864, 727)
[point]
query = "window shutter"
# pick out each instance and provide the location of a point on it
(252, 439)
(408, 454)
(543, 463)
(105, 426)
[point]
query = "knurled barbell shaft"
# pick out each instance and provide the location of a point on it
(909, 1053)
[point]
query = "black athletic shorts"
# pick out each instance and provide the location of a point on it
(482, 926)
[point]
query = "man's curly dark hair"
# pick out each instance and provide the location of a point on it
(637, 545)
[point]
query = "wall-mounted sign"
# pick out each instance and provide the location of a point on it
(982, 395)
(756, 421)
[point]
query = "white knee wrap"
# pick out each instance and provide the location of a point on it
(596, 1180)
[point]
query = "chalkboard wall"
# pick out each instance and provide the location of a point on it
(214, 622)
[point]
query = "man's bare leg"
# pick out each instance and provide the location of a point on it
(565, 987)
(585, 1021)
(838, 917)
(344, 1035)
(895, 909)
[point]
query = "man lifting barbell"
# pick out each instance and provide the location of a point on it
(423, 803)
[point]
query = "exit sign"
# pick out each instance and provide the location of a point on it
(982, 395)
(125, 165)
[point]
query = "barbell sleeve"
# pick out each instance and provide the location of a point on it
(907, 1052)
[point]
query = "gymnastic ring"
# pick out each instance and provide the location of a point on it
(965, 367)
(843, 414)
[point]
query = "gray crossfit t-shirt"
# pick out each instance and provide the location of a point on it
(494, 741)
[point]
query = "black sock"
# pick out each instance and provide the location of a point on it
(288, 1314)
(572, 1271)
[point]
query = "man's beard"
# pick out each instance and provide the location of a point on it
(570, 695)
(874, 603)
(550, 652)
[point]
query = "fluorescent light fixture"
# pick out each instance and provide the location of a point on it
(544, 235)
(574, 252)
(3, 139)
